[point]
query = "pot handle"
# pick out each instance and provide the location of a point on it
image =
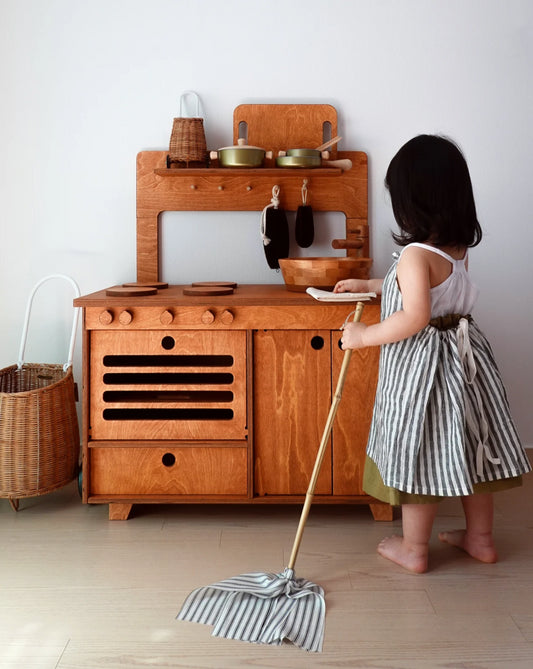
(344, 163)
(184, 95)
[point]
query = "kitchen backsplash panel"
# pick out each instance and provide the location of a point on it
(211, 254)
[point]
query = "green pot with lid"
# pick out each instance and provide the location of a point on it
(241, 155)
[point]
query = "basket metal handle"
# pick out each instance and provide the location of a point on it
(27, 319)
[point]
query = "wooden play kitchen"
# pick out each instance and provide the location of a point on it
(219, 393)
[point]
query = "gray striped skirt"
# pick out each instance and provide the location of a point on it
(442, 423)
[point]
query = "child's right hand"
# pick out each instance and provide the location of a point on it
(351, 286)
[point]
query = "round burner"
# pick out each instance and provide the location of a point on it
(130, 291)
(208, 291)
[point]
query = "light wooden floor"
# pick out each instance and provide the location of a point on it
(79, 591)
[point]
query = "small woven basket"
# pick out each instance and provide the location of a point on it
(39, 433)
(188, 146)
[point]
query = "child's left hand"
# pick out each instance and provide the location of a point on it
(352, 336)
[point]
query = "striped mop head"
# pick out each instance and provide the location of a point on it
(261, 608)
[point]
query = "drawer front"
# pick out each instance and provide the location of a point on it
(169, 471)
(168, 385)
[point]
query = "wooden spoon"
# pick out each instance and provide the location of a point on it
(331, 142)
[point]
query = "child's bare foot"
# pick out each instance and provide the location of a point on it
(412, 558)
(481, 546)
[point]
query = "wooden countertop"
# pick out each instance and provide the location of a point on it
(243, 295)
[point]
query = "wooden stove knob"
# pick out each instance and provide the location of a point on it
(125, 317)
(227, 317)
(166, 317)
(106, 317)
(208, 317)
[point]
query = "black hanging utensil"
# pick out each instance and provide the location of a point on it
(274, 231)
(305, 227)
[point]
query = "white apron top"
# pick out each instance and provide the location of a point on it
(457, 294)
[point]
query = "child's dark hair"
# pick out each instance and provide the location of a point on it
(431, 194)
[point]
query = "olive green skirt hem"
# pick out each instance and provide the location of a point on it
(373, 485)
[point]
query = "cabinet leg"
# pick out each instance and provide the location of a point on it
(119, 511)
(382, 511)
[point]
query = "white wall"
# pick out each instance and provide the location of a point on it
(86, 85)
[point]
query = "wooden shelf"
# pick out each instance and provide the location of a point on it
(243, 171)
(160, 188)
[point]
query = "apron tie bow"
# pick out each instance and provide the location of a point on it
(481, 430)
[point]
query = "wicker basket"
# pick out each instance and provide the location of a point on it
(39, 433)
(188, 146)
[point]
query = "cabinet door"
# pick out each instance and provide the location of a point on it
(354, 414)
(292, 396)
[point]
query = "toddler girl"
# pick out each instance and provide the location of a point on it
(441, 425)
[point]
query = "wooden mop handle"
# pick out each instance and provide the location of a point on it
(323, 443)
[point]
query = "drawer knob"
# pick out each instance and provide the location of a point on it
(106, 317)
(227, 317)
(166, 317)
(168, 459)
(125, 317)
(208, 317)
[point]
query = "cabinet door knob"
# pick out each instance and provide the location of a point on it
(227, 317)
(125, 317)
(106, 317)
(317, 342)
(166, 317)
(208, 317)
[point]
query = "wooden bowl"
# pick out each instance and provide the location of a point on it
(301, 273)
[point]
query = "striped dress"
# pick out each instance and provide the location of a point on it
(441, 422)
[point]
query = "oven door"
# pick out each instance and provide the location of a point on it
(160, 385)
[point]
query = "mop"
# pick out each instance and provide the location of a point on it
(264, 607)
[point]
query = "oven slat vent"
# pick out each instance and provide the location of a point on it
(141, 402)
(168, 414)
(168, 396)
(168, 360)
(158, 378)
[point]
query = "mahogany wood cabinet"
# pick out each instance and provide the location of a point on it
(223, 399)
(226, 403)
